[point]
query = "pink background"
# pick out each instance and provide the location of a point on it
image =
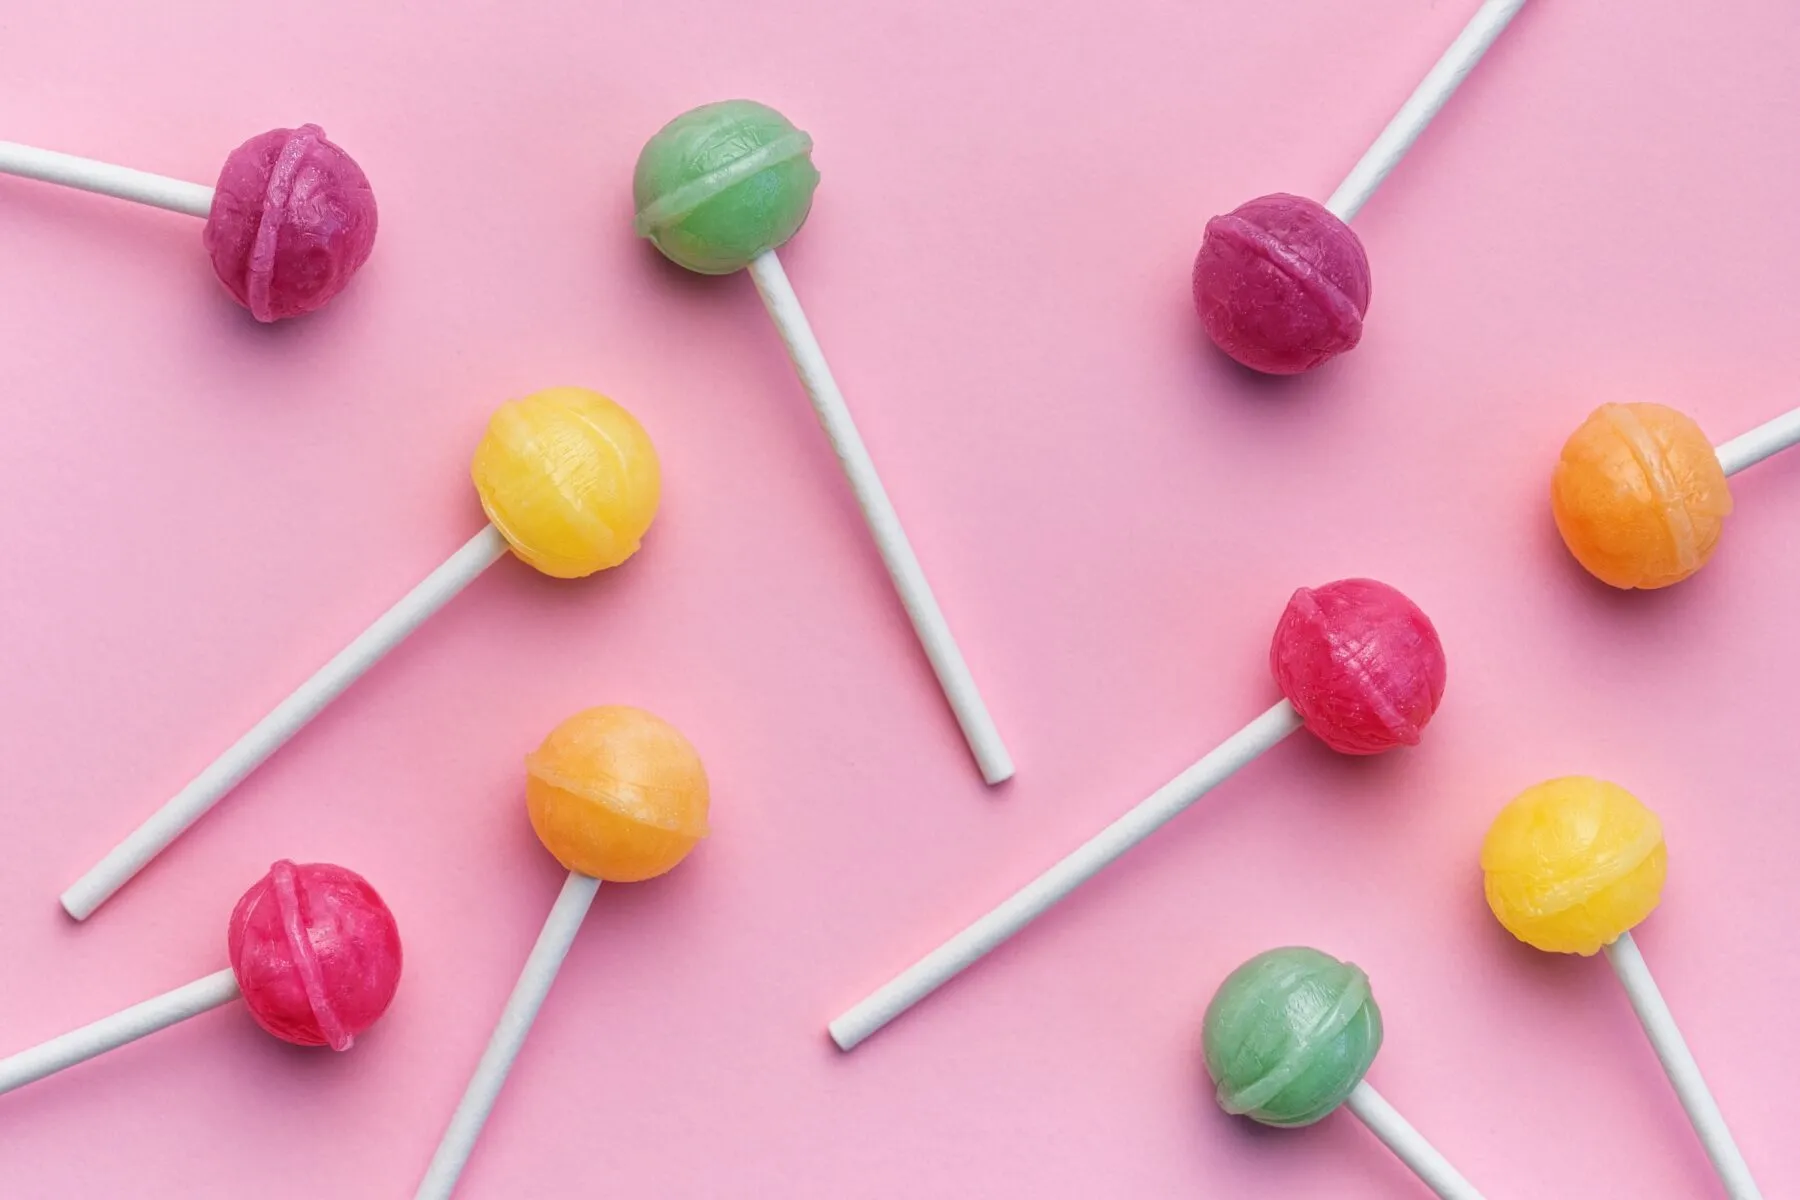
(202, 510)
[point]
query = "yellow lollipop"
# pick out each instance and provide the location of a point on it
(615, 794)
(570, 479)
(570, 483)
(1573, 863)
(1571, 866)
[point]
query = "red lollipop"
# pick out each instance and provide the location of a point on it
(291, 219)
(1360, 663)
(1357, 663)
(1281, 283)
(314, 953)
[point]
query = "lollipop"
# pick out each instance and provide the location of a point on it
(1288, 1038)
(1281, 283)
(314, 954)
(1640, 496)
(288, 223)
(717, 190)
(1571, 866)
(614, 794)
(1357, 663)
(570, 483)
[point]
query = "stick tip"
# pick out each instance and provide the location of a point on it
(844, 1034)
(82, 898)
(74, 905)
(995, 762)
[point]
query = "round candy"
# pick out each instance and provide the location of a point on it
(1573, 863)
(1281, 284)
(1289, 1034)
(292, 219)
(1361, 663)
(1639, 496)
(316, 953)
(570, 479)
(617, 793)
(722, 183)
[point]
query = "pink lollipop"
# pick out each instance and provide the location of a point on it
(314, 953)
(1281, 283)
(291, 218)
(1357, 663)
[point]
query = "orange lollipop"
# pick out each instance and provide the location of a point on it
(615, 794)
(1640, 496)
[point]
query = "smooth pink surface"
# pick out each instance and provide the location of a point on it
(293, 218)
(316, 952)
(1113, 515)
(1281, 284)
(1361, 663)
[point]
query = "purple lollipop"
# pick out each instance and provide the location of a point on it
(291, 219)
(1281, 283)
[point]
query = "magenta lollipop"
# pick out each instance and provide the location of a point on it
(1281, 282)
(315, 956)
(290, 220)
(1357, 663)
(315, 952)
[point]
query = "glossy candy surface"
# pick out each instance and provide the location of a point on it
(1573, 863)
(618, 794)
(721, 183)
(570, 479)
(1361, 663)
(293, 218)
(1281, 284)
(316, 953)
(1289, 1034)
(1639, 496)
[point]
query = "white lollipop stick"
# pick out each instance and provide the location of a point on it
(1439, 84)
(1035, 898)
(1766, 440)
(283, 722)
(176, 195)
(521, 1010)
(170, 1008)
(902, 564)
(1678, 1063)
(1408, 1145)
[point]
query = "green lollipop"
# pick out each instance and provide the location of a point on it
(1289, 1034)
(1287, 1039)
(722, 183)
(717, 190)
